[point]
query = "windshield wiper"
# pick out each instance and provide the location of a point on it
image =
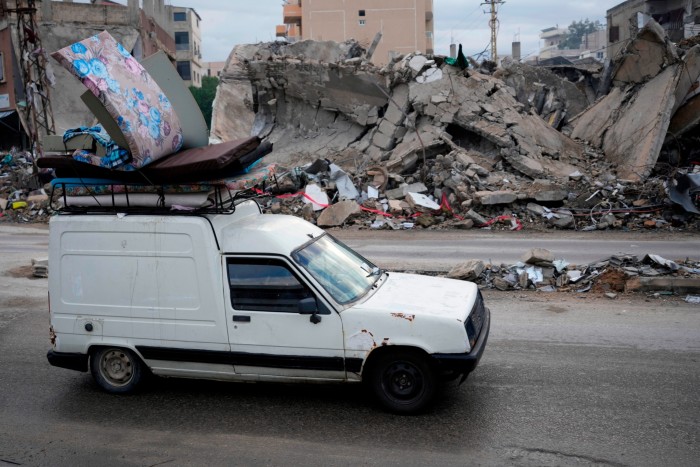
(376, 271)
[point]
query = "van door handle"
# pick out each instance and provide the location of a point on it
(241, 319)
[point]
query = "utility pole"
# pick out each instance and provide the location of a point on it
(32, 59)
(493, 24)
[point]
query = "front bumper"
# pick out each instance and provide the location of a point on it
(465, 363)
(71, 361)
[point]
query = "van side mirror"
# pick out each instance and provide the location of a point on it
(308, 306)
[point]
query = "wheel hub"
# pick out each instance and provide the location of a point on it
(117, 367)
(403, 380)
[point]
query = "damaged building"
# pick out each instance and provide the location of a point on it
(475, 143)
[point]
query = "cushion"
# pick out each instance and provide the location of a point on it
(193, 165)
(135, 101)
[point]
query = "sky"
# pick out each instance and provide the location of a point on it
(226, 23)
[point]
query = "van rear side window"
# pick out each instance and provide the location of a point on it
(264, 285)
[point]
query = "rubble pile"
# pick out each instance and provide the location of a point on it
(539, 270)
(421, 142)
(22, 197)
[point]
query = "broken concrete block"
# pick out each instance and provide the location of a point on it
(488, 198)
(398, 105)
(383, 141)
(538, 256)
(468, 271)
(501, 284)
(388, 128)
(536, 209)
(396, 206)
(430, 75)
(526, 165)
(551, 195)
(317, 194)
(425, 220)
(417, 63)
(400, 192)
(463, 158)
(645, 56)
(465, 224)
(478, 219)
(421, 202)
(564, 219)
(337, 214)
(523, 280)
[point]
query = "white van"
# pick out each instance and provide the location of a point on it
(251, 297)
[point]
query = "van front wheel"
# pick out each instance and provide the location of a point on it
(116, 370)
(404, 382)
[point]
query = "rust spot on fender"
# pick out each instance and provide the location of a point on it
(52, 335)
(405, 316)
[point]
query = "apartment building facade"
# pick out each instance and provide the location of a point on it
(406, 25)
(185, 26)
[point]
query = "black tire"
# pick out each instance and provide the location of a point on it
(116, 370)
(403, 381)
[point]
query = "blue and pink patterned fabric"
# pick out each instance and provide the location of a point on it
(135, 101)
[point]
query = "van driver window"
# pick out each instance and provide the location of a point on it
(264, 285)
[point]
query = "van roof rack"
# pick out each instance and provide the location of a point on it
(96, 196)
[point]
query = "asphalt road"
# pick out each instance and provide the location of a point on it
(441, 250)
(565, 380)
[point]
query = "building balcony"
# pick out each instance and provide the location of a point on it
(281, 30)
(291, 13)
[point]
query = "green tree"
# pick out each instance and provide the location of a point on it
(205, 96)
(577, 30)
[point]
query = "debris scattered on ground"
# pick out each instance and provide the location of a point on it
(40, 267)
(22, 196)
(612, 276)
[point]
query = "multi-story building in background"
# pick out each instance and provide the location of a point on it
(213, 69)
(679, 18)
(406, 25)
(184, 25)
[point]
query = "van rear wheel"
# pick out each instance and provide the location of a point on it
(116, 370)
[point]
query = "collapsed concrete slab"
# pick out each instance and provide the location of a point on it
(630, 123)
(545, 93)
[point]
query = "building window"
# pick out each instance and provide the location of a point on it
(182, 40)
(362, 22)
(184, 70)
(179, 16)
(361, 13)
(614, 34)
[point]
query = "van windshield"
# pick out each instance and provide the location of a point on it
(344, 274)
